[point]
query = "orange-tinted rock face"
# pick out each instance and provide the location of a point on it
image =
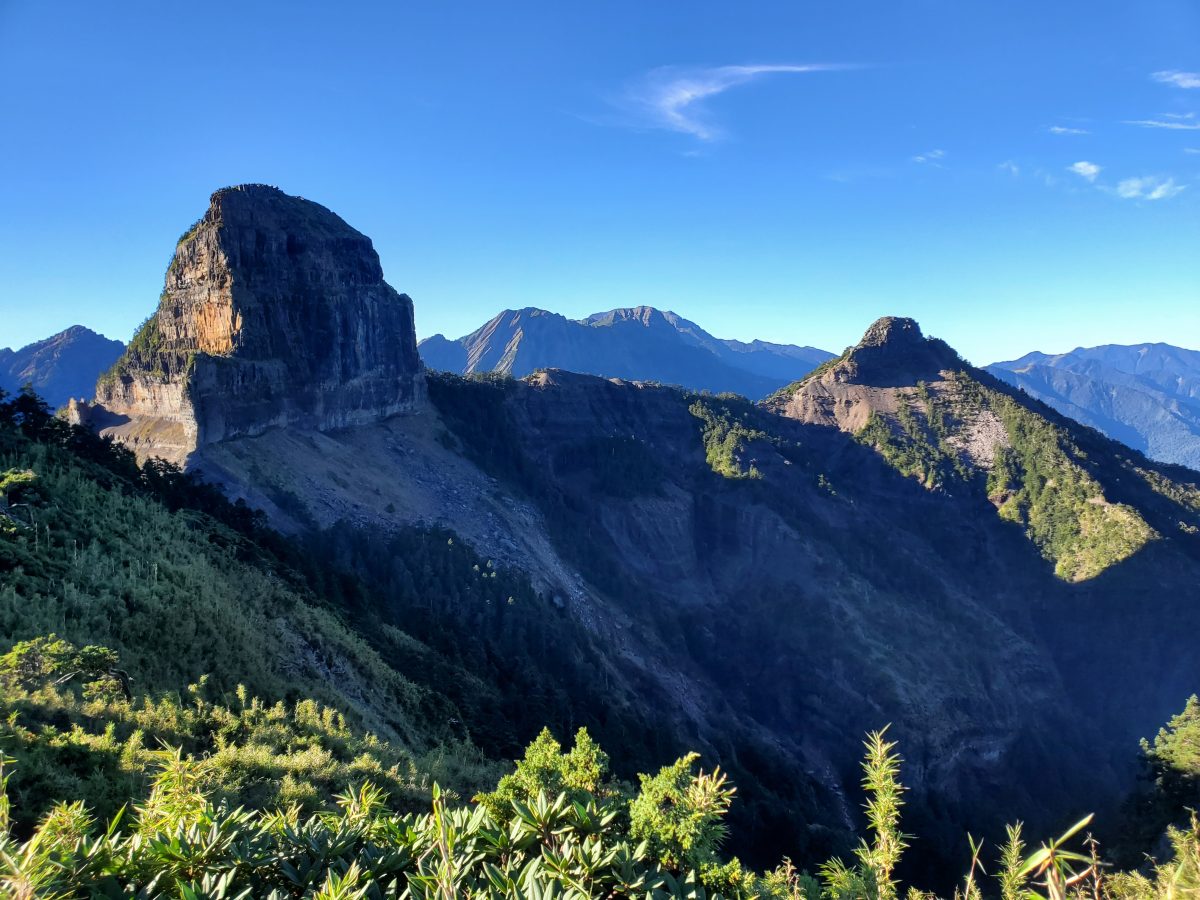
(274, 312)
(201, 314)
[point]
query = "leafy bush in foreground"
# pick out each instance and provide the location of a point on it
(591, 839)
(75, 732)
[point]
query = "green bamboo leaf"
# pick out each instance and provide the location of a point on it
(1076, 828)
(1035, 861)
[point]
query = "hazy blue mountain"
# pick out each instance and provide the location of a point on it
(640, 343)
(60, 367)
(1145, 395)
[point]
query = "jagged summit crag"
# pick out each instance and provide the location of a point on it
(274, 312)
(845, 391)
(958, 429)
(893, 350)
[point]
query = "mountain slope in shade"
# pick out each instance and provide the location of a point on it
(1145, 395)
(60, 367)
(638, 344)
(765, 578)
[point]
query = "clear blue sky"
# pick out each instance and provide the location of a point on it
(1016, 175)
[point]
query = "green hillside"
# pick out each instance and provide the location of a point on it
(225, 646)
(1039, 477)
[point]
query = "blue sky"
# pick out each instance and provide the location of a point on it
(1016, 175)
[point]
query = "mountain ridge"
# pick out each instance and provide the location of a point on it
(60, 367)
(1137, 405)
(635, 343)
(1146, 395)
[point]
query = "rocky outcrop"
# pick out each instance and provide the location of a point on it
(893, 353)
(274, 313)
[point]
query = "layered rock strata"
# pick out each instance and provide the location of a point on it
(274, 313)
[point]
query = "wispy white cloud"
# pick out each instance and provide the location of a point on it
(1173, 124)
(1186, 115)
(1191, 149)
(932, 156)
(1178, 78)
(1085, 169)
(1148, 187)
(1063, 129)
(673, 98)
(1010, 167)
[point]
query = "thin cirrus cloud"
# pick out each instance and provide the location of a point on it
(1177, 78)
(1148, 187)
(932, 156)
(673, 98)
(1085, 169)
(1172, 123)
(1063, 129)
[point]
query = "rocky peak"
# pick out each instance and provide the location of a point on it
(647, 316)
(892, 357)
(892, 331)
(274, 312)
(892, 353)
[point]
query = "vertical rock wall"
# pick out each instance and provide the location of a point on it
(274, 313)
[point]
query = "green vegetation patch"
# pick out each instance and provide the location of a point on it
(1037, 479)
(916, 442)
(727, 430)
(558, 827)
(1183, 493)
(76, 733)
(1040, 481)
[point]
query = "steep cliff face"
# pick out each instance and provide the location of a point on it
(274, 313)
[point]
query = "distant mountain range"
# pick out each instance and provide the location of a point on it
(639, 343)
(60, 367)
(1145, 395)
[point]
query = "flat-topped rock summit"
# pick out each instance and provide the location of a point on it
(274, 312)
